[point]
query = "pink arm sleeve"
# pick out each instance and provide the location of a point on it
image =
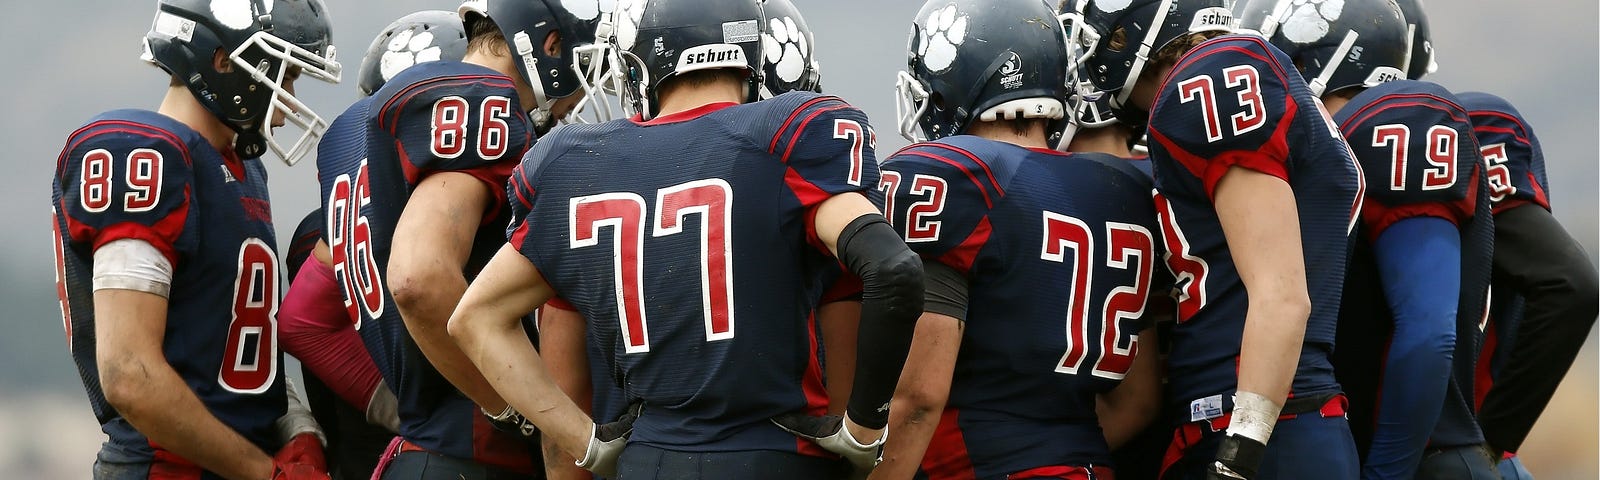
(315, 327)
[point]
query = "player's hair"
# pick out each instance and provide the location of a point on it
(702, 78)
(1174, 50)
(485, 37)
(1024, 126)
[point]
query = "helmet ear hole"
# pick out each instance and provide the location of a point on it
(937, 99)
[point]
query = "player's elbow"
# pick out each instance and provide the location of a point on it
(414, 288)
(919, 403)
(898, 280)
(1285, 303)
(1579, 292)
(122, 381)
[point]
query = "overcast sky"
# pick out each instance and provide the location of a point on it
(71, 59)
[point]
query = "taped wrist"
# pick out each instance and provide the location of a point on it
(891, 300)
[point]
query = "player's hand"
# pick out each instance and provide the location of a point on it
(1238, 457)
(512, 422)
(303, 449)
(607, 442)
(830, 433)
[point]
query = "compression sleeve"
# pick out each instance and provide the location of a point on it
(315, 327)
(1549, 268)
(891, 300)
(945, 290)
(1419, 261)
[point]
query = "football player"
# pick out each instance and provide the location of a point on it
(1539, 270)
(316, 325)
(705, 320)
(1256, 192)
(164, 231)
(996, 213)
(1417, 288)
(419, 213)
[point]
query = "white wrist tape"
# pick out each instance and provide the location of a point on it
(383, 409)
(131, 264)
(297, 418)
(1253, 416)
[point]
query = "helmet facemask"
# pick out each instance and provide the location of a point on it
(277, 57)
(598, 75)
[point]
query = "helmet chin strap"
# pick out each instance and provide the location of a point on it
(1142, 57)
(530, 70)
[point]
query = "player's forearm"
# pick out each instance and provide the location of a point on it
(839, 322)
(1556, 278)
(913, 424)
(160, 405)
(425, 303)
(1419, 261)
(315, 327)
(921, 395)
(1127, 409)
(562, 344)
(1273, 333)
(499, 346)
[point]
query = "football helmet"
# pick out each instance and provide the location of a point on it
(265, 40)
(791, 61)
(653, 40)
(1337, 44)
(425, 36)
(525, 24)
(1421, 61)
(982, 60)
(1147, 26)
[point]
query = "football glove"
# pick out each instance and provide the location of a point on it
(829, 433)
(300, 459)
(607, 441)
(1238, 457)
(512, 422)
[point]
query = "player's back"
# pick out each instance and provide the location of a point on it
(1237, 101)
(1511, 152)
(434, 117)
(1059, 251)
(141, 175)
(685, 242)
(1415, 143)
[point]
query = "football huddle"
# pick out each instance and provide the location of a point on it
(635, 239)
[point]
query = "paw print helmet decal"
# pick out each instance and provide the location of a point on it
(790, 62)
(1337, 44)
(647, 41)
(982, 60)
(425, 36)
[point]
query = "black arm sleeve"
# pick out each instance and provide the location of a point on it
(891, 301)
(946, 290)
(1557, 281)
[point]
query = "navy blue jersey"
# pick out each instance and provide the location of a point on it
(1416, 146)
(699, 278)
(135, 174)
(434, 117)
(1515, 163)
(1059, 253)
(1236, 101)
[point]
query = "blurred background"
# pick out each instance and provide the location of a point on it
(72, 59)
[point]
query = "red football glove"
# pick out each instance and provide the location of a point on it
(301, 458)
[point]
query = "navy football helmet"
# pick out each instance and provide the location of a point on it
(982, 60)
(1337, 44)
(1421, 61)
(1147, 26)
(791, 62)
(425, 36)
(653, 40)
(525, 24)
(265, 40)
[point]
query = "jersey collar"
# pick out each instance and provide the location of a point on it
(686, 115)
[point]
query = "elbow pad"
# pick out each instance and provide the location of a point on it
(891, 301)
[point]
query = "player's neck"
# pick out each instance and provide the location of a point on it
(508, 67)
(1033, 138)
(180, 104)
(1334, 103)
(1111, 140)
(685, 99)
